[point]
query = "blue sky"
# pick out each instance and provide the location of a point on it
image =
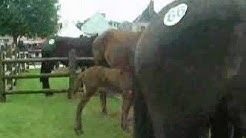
(117, 10)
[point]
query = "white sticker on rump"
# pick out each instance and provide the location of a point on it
(175, 14)
(51, 41)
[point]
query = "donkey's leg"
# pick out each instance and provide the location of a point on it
(157, 122)
(127, 102)
(181, 127)
(219, 120)
(143, 127)
(46, 67)
(44, 80)
(187, 127)
(86, 97)
(46, 85)
(236, 127)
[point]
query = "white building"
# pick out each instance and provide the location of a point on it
(97, 24)
(143, 20)
(6, 40)
(69, 29)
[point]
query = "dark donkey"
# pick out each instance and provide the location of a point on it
(187, 63)
(60, 47)
(115, 49)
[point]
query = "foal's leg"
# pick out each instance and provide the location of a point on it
(103, 99)
(127, 102)
(86, 97)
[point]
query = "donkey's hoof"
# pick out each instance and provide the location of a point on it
(127, 130)
(49, 94)
(2, 98)
(78, 131)
(104, 113)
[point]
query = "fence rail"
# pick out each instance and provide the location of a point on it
(71, 59)
(11, 92)
(44, 59)
(35, 75)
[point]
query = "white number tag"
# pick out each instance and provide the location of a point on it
(175, 14)
(51, 41)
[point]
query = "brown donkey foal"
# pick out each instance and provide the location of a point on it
(96, 79)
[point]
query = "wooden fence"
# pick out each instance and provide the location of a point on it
(17, 68)
(72, 59)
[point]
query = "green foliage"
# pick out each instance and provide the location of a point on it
(28, 17)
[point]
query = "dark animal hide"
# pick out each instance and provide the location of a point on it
(184, 63)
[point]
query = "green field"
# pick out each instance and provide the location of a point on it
(37, 116)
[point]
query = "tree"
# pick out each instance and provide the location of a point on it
(28, 18)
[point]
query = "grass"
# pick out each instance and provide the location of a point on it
(37, 116)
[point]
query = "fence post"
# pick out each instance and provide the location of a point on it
(72, 71)
(2, 85)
